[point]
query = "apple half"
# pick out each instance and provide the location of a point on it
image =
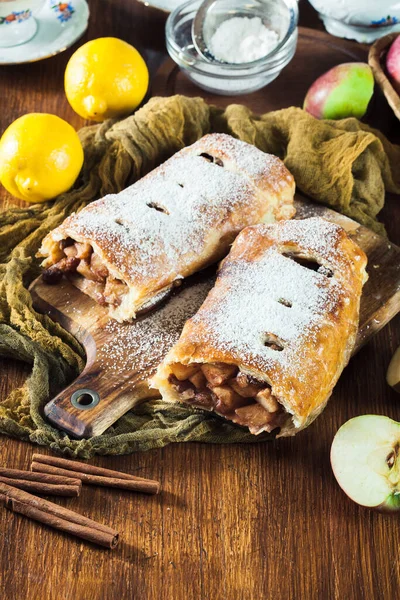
(365, 458)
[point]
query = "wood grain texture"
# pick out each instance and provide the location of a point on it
(233, 522)
(122, 357)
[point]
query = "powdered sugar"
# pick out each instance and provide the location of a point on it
(316, 236)
(264, 168)
(272, 297)
(242, 321)
(164, 222)
(242, 39)
(160, 220)
(141, 346)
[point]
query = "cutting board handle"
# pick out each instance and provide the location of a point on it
(93, 402)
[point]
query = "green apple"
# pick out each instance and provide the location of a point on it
(365, 458)
(344, 91)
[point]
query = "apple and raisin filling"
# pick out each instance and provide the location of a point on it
(79, 258)
(229, 392)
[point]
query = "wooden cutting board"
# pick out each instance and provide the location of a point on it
(121, 357)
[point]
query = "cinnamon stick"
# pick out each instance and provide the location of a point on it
(58, 517)
(48, 489)
(80, 467)
(29, 476)
(93, 475)
(144, 485)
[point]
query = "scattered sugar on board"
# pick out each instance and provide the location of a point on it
(242, 40)
(161, 222)
(141, 346)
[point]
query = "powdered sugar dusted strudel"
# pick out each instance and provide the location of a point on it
(129, 249)
(273, 336)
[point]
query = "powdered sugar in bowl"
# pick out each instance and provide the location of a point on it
(268, 24)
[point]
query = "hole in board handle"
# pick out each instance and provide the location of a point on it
(84, 399)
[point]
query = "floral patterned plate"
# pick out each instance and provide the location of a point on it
(60, 24)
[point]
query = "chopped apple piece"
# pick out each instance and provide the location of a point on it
(254, 416)
(393, 372)
(182, 372)
(203, 399)
(267, 400)
(70, 251)
(98, 267)
(199, 380)
(246, 391)
(242, 379)
(187, 394)
(365, 461)
(227, 397)
(114, 289)
(84, 249)
(84, 269)
(218, 373)
(182, 387)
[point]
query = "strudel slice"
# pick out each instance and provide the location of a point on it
(128, 250)
(271, 339)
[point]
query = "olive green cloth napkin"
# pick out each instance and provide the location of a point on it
(343, 164)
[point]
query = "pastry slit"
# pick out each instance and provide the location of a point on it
(175, 221)
(122, 224)
(272, 341)
(212, 159)
(290, 328)
(309, 262)
(158, 207)
(285, 302)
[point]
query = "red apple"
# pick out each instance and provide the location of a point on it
(343, 91)
(393, 64)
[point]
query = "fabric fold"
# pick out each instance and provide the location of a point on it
(343, 164)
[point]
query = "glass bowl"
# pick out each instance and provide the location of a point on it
(225, 78)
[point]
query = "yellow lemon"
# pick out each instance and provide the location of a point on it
(40, 157)
(105, 78)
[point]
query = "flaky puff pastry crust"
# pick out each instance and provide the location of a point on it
(278, 320)
(180, 218)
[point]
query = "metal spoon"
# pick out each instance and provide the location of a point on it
(211, 13)
(198, 31)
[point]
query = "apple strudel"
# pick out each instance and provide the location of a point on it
(271, 339)
(128, 250)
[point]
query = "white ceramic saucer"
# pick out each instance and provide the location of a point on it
(60, 24)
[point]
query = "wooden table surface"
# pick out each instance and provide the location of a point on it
(233, 522)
